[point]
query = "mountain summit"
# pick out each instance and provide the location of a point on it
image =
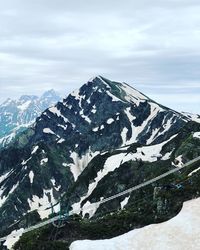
(99, 136)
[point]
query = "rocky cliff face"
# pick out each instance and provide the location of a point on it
(101, 139)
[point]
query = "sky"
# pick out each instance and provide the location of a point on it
(152, 45)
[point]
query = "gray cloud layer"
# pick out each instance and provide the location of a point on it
(153, 45)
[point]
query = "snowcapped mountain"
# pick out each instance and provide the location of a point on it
(17, 115)
(100, 140)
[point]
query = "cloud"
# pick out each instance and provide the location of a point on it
(153, 45)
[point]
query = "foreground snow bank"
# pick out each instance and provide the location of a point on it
(13, 238)
(180, 233)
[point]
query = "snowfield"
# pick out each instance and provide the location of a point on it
(180, 233)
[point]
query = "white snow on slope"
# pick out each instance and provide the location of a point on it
(43, 161)
(194, 171)
(95, 129)
(57, 112)
(80, 163)
(167, 156)
(3, 198)
(110, 120)
(34, 150)
(166, 125)
(132, 95)
(85, 117)
(110, 165)
(4, 176)
(48, 131)
(192, 117)
(42, 204)
(61, 141)
(13, 237)
(155, 109)
(31, 176)
(124, 202)
(24, 105)
(89, 208)
(147, 153)
(196, 135)
(179, 233)
(124, 135)
(179, 161)
(94, 109)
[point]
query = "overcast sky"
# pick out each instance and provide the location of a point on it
(153, 45)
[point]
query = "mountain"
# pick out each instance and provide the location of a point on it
(17, 115)
(100, 140)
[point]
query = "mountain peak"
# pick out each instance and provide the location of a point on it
(120, 91)
(94, 78)
(25, 98)
(50, 93)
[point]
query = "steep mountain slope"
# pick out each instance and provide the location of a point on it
(192, 117)
(17, 115)
(152, 204)
(93, 133)
(112, 172)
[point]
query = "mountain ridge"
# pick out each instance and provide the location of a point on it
(87, 139)
(17, 115)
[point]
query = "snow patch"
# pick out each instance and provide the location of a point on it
(192, 117)
(24, 162)
(48, 131)
(31, 176)
(132, 95)
(95, 129)
(4, 176)
(24, 106)
(196, 135)
(13, 237)
(147, 153)
(57, 112)
(124, 135)
(80, 163)
(110, 120)
(194, 171)
(167, 156)
(155, 108)
(43, 161)
(179, 161)
(90, 208)
(110, 165)
(181, 232)
(124, 202)
(3, 198)
(61, 140)
(34, 150)
(43, 204)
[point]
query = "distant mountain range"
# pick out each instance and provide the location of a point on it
(17, 115)
(100, 140)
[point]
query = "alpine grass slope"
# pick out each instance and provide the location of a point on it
(100, 140)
